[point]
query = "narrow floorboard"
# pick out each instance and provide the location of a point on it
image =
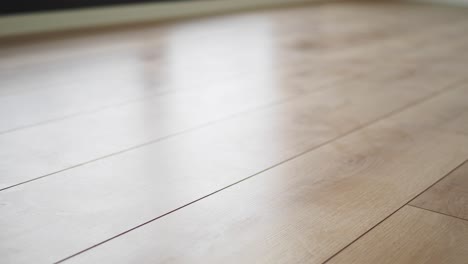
(411, 236)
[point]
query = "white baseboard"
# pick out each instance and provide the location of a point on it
(105, 16)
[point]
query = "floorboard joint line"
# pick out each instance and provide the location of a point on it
(391, 113)
(445, 176)
(407, 203)
(436, 212)
(90, 111)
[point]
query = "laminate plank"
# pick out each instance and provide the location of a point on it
(309, 208)
(52, 218)
(449, 196)
(411, 236)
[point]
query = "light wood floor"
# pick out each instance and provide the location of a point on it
(323, 133)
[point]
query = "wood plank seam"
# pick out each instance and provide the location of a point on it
(407, 203)
(91, 111)
(437, 212)
(394, 112)
(449, 196)
(412, 235)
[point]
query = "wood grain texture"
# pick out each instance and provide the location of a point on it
(411, 236)
(108, 190)
(449, 196)
(130, 126)
(309, 208)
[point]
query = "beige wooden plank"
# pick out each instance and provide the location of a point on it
(449, 196)
(411, 236)
(57, 216)
(309, 208)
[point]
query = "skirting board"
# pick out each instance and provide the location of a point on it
(105, 16)
(445, 2)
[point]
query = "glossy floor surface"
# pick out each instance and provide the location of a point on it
(334, 132)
